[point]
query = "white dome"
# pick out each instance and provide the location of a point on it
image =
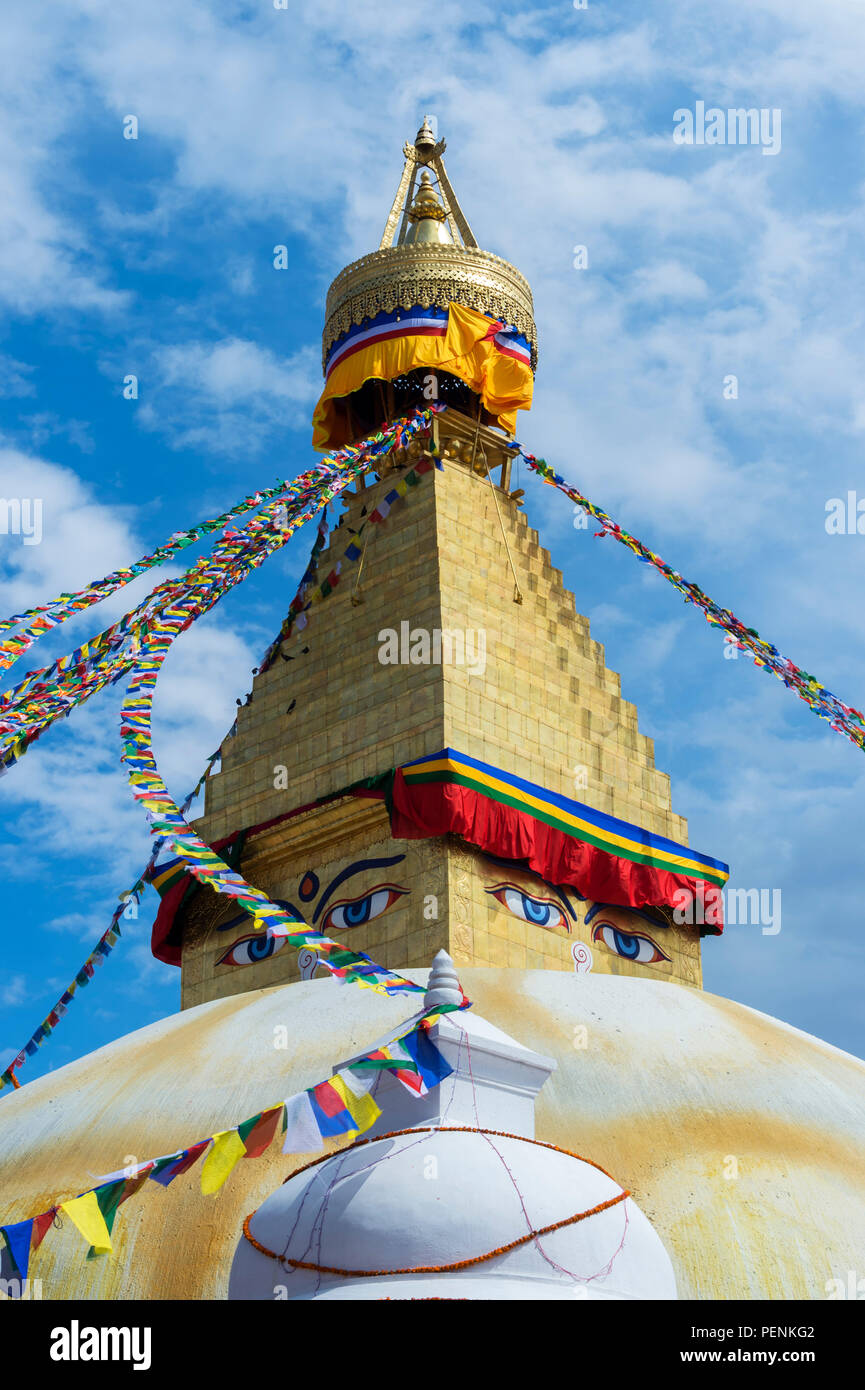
(433, 1198)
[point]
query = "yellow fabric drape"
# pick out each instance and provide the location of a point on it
(465, 351)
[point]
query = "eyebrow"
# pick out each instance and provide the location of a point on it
(242, 917)
(233, 922)
(355, 868)
(513, 864)
(564, 897)
(340, 878)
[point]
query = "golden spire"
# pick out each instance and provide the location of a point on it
(425, 153)
(427, 255)
(427, 217)
(425, 142)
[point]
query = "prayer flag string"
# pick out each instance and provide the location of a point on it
(298, 616)
(165, 817)
(840, 717)
(51, 692)
(343, 1105)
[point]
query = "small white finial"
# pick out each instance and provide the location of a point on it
(443, 986)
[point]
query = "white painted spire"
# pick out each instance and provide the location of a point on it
(443, 986)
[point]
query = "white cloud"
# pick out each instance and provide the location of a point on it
(229, 397)
(668, 280)
(39, 428)
(14, 377)
(87, 927)
(42, 254)
(232, 371)
(82, 537)
(13, 991)
(70, 786)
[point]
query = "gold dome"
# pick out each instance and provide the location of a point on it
(427, 256)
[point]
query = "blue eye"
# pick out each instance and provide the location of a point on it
(252, 949)
(536, 911)
(360, 910)
(628, 945)
(354, 914)
(541, 912)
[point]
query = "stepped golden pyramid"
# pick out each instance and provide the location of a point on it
(450, 646)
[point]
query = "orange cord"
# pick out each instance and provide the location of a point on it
(458, 1264)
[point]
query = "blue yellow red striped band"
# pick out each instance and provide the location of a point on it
(574, 818)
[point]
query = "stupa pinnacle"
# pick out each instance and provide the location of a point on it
(428, 259)
(425, 153)
(427, 216)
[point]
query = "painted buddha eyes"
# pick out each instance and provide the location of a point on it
(252, 949)
(351, 912)
(542, 912)
(356, 912)
(629, 945)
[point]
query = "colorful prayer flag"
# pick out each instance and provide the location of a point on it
(18, 1238)
(302, 1134)
(84, 1213)
(227, 1150)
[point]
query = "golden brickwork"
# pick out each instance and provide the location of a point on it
(546, 708)
(534, 698)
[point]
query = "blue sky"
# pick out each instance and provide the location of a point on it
(260, 127)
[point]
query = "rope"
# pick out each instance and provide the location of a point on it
(356, 595)
(518, 594)
(456, 1264)
(433, 1269)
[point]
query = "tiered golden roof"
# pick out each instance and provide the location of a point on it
(427, 256)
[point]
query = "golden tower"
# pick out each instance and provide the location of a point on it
(452, 631)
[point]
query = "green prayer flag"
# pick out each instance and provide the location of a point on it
(108, 1200)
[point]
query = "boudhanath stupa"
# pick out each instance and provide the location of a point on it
(437, 770)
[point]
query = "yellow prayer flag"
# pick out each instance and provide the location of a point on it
(84, 1213)
(227, 1148)
(363, 1109)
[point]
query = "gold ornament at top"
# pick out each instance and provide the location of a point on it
(425, 147)
(428, 255)
(428, 217)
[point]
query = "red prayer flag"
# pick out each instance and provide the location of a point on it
(328, 1098)
(258, 1139)
(41, 1226)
